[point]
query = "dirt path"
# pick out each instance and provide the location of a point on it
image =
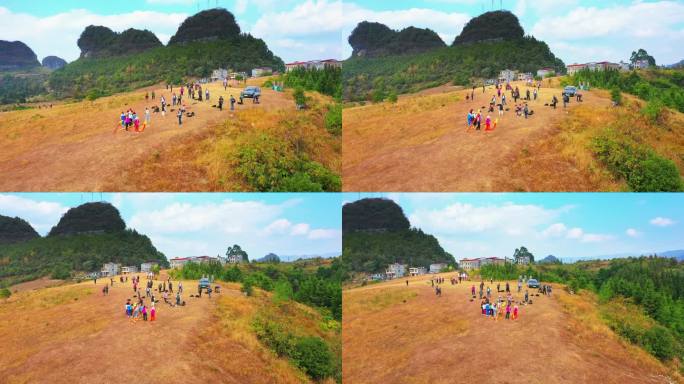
(398, 334)
(73, 334)
(421, 142)
(72, 147)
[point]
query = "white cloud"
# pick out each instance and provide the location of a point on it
(299, 229)
(317, 234)
(42, 215)
(279, 226)
(631, 232)
(57, 34)
(511, 219)
(662, 221)
(240, 6)
(229, 217)
(575, 233)
(555, 230)
(612, 32)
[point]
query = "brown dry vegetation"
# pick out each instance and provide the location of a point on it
(421, 144)
(73, 334)
(207, 159)
(567, 149)
(72, 145)
(420, 338)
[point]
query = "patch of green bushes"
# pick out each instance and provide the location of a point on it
(333, 119)
(641, 167)
(5, 293)
(310, 353)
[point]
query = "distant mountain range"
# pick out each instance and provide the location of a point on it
(325, 255)
(678, 254)
(680, 64)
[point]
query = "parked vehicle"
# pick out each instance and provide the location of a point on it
(532, 283)
(251, 92)
(570, 90)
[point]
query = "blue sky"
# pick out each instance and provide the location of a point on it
(567, 225)
(293, 29)
(195, 224)
(576, 30)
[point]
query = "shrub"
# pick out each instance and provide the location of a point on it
(616, 96)
(660, 342)
(299, 96)
(653, 110)
(61, 272)
(642, 168)
(5, 293)
(314, 357)
(283, 291)
(232, 274)
(267, 84)
(333, 119)
(260, 280)
(247, 288)
(392, 97)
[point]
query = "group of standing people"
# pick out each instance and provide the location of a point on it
(131, 119)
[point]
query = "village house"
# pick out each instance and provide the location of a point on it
(177, 262)
(395, 270)
(129, 269)
(313, 64)
(109, 269)
(593, 66)
(624, 66)
(543, 72)
(524, 260)
(416, 271)
(507, 75)
(219, 74)
(469, 264)
(492, 261)
(641, 64)
(437, 267)
(262, 71)
(525, 76)
(377, 276)
(147, 267)
(234, 259)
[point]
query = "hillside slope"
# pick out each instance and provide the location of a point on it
(557, 339)
(208, 340)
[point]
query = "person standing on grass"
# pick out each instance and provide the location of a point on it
(515, 312)
(232, 103)
(535, 94)
(488, 124)
(153, 312)
(147, 117)
(508, 311)
(526, 110)
(180, 122)
(152, 95)
(469, 119)
(472, 290)
(501, 109)
(206, 93)
(519, 285)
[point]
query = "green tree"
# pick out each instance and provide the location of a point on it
(236, 250)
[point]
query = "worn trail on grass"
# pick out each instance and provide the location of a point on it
(72, 147)
(398, 334)
(421, 143)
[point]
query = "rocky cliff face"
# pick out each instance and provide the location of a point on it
(53, 62)
(99, 41)
(16, 55)
(376, 39)
(212, 24)
(15, 230)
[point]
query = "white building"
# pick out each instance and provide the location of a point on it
(641, 64)
(262, 71)
(416, 271)
(234, 259)
(624, 66)
(469, 264)
(147, 267)
(437, 267)
(395, 270)
(129, 269)
(525, 76)
(219, 74)
(524, 260)
(507, 75)
(109, 269)
(543, 72)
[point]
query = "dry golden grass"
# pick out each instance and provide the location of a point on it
(567, 150)
(588, 327)
(73, 334)
(430, 339)
(245, 357)
(72, 146)
(207, 160)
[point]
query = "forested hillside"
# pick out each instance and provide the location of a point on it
(488, 44)
(377, 233)
(15, 230)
